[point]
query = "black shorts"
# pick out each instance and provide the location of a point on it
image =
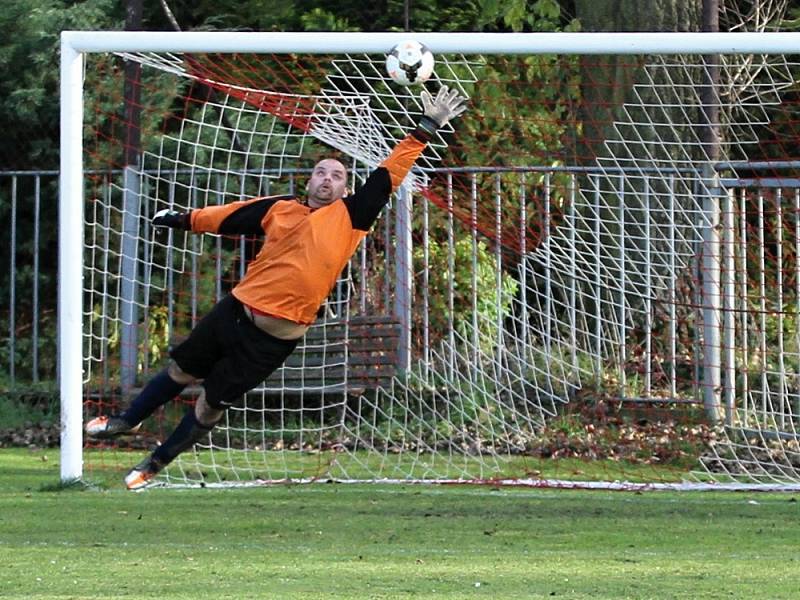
(230, 353)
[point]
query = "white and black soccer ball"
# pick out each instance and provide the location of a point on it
(409, 63)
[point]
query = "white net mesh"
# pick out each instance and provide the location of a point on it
(532, 283)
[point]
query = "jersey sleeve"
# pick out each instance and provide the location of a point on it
(235, 218)
(367, 202)
(402, 158)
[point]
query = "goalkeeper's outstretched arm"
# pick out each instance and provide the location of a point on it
(366, 204)
(235, 218)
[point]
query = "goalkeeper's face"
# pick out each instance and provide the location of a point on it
(328, 183)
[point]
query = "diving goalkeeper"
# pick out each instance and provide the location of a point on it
(250, 333)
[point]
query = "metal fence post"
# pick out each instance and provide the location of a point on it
(404, 273)
(129, 312)
(712, 296)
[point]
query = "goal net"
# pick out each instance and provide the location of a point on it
(596, 263)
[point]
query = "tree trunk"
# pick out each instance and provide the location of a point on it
(132, 93)
(607, 80)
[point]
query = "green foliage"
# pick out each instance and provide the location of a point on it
(534, 100)
(461, 275)
(256, 15)
(321, 20)
(349, 15)
(38, 404)
(157, 337)
(46, 346)
(105, 132)
(29, 32)
(791, 22)
(29, 58)
(520, 15)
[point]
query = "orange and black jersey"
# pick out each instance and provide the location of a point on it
(304, 249)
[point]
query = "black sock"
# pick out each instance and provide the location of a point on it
(161, 389)
(188, 431)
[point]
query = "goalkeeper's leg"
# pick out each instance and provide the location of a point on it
(249, 356)
(161, 389)
(205, 346)
(195, 425)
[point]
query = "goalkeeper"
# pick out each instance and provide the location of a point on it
(250, 333)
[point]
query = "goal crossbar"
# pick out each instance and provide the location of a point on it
(485, 43)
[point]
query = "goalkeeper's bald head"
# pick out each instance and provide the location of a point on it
(327, 184)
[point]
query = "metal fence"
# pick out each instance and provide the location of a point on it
(759, 328)
(29, 212)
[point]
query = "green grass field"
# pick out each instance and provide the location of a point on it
(365, 541)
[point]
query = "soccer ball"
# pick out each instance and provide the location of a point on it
(409, 63)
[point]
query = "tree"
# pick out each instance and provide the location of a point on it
(607, 80)
(29, 99)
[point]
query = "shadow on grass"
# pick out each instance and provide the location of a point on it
(73, 485)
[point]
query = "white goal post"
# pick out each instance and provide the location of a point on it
(72, 313)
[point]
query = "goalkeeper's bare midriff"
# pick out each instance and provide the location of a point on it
(283, 329)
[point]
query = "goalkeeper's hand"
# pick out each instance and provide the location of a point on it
(171, 218)
(437, 112)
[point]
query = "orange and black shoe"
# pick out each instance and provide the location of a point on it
(142, 474)
(101, 428)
